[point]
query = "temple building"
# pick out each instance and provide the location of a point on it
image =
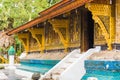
(72, 24)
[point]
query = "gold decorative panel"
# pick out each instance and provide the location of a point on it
(69, 32)
(40, 39)
(52, 40)
(106, 22)
(99, 9)
(117, 22)
(118, 8)
(103, 14)
(118, 11)
(98, 37)
(33, 44)
(63, 31)
(24, 38)
(75, 30)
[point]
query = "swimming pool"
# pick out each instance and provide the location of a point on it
(102, 70)
(41, 66)
(102, 75)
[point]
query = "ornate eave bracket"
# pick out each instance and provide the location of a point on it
(57, 24)
(39, 40)
(103, 10)
(24, 38)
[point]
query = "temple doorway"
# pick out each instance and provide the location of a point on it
(87, 30)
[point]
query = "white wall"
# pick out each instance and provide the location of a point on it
(61, 62)
(77, 70)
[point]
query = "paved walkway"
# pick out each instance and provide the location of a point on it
(3, 76)
(106, 55)
(6, 74)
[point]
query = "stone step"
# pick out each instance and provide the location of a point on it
(65, 65)
(57, 73)
(3, 76)
(69, 62)
(76, 56)
(72, 59)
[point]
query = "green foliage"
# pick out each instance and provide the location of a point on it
(1, 49)
(1, 66)
(14, 13)
(18, 53)
(52, 2)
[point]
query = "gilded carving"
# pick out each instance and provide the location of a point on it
(106, 22)
(40, 40)
(74, 29)
(33, 44)
(62, 30)
(118, 8)
(117, 21)
(52, 39)
(99, 10)
(102, 26)
(98, 37)
(118, 11)
(24, 38)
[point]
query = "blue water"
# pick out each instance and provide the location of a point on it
(41, 66)
(102, 70)
(102, 75)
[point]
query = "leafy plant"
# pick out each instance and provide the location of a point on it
(14, 13)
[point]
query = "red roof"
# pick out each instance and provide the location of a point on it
(58, 9)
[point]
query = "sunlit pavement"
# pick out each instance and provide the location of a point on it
(14, 74)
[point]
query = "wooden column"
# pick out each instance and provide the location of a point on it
(84, 31)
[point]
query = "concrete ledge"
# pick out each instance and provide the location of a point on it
(24, 73)
(3, 76)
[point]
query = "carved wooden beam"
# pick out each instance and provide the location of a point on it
(24, 38)
(57, 24)
(61, 10)
(40, 40)
(103, 10)
(99, 9)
